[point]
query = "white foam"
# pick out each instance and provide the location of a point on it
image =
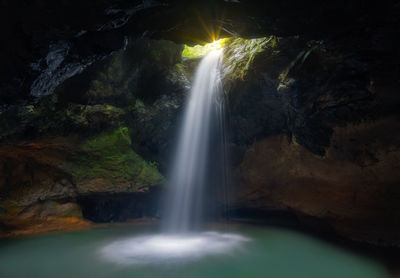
(171, 248)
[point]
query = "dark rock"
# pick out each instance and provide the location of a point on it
(353, 194)
(93, 31)
(119, 207)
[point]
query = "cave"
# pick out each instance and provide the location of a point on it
(241, 138)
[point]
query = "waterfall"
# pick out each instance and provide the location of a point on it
(184, 204)
(198, 166)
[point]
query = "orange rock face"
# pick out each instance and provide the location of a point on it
(354, 187)
(39, 194)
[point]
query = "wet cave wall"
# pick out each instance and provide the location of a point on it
(90, 111)
(97, 148)
(315, 132)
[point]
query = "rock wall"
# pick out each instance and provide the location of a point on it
(94, 149)
(315, 132)
(313, 109)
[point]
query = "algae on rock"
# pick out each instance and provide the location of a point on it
(107, 163)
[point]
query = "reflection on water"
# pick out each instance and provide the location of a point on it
(167, 248)
(133, 251)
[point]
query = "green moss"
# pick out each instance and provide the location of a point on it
(109, 156)
(110, 81)
(200, 50)
(240, 54)
(116, 79)
(192, 52)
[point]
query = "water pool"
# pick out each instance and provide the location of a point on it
(138, 251)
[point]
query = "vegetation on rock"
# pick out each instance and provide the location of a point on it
(240, 53)
(109, 159)
(203, 49)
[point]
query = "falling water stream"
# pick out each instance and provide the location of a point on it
(190, 167)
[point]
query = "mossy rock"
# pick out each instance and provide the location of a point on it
(203, 49)
(114, 81)
(240, 53)
(107, 163)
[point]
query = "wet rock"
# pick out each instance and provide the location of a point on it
(41, 181)
(299, 88)
(352, 188)
(94, 31)
(51, 209)
(314, 131)
(120, 207)
(82, 140)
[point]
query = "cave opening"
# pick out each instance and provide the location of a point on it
(211, 138)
